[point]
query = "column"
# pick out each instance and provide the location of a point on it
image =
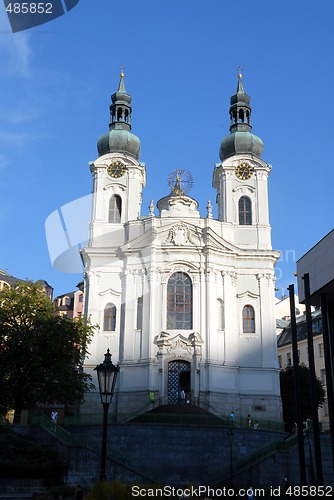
(267, 320)
(129, 300)
(232, 318)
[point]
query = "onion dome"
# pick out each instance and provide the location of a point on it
(119, 138)
(241, 140)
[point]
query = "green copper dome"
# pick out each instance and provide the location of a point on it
(241, 140)
(119, 139)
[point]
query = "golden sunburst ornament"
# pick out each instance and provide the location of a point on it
(180, 181)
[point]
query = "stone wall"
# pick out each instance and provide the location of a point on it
(179, 455)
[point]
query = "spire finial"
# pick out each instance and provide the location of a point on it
(121, 86)
(240, 74)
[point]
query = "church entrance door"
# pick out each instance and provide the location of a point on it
(178, 379)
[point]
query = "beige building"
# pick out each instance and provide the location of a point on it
(7, 280)
(282, 312)
(70, 304)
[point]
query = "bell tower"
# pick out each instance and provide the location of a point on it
(241, 178)
(118, 175)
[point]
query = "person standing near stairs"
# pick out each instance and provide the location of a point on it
(54, 418)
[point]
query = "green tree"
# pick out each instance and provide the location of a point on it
(41, 354)
(288, 394)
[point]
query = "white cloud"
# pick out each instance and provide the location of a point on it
(3, 161)
(15, 48)
(13, 138)
(19, 113)
(21, 54)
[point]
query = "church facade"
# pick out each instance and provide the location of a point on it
(183, 302)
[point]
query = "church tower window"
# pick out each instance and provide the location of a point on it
(115, 208)
(245, 211)
(109, 319)
(248, 319)
(179, 302)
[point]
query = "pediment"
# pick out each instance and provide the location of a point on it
(247, 293)
(177, 345)
(110, 291)
(181, 234)
(176, 234)
(216, 242)
(104, 160)
(140, 242)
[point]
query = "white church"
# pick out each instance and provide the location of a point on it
(182, 301)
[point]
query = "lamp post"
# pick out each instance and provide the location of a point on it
(230, 436)
(107, 374)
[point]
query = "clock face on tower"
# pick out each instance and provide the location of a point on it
(244, 171)
(116, 169)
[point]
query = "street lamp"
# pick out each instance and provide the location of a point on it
(107, 374)
(230, 436)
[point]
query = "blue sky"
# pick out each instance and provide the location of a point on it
(181, 63)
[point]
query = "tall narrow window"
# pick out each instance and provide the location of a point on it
(115, 208)
(220, 315)
(179, 302)
(248, 319)
(109, 319)
(140, 313)
(245, 211)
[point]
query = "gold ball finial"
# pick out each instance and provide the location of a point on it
(122, 72)
(240, 74)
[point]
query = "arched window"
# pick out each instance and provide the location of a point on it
(179, 302)
(139, 313)
(66, 301)
(109, 318)
(220, 315)
(3, 285)
(248, 319)
(115, 208)
(245, 211)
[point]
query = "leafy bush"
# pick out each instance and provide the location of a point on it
(289, 398)
(103, 490)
